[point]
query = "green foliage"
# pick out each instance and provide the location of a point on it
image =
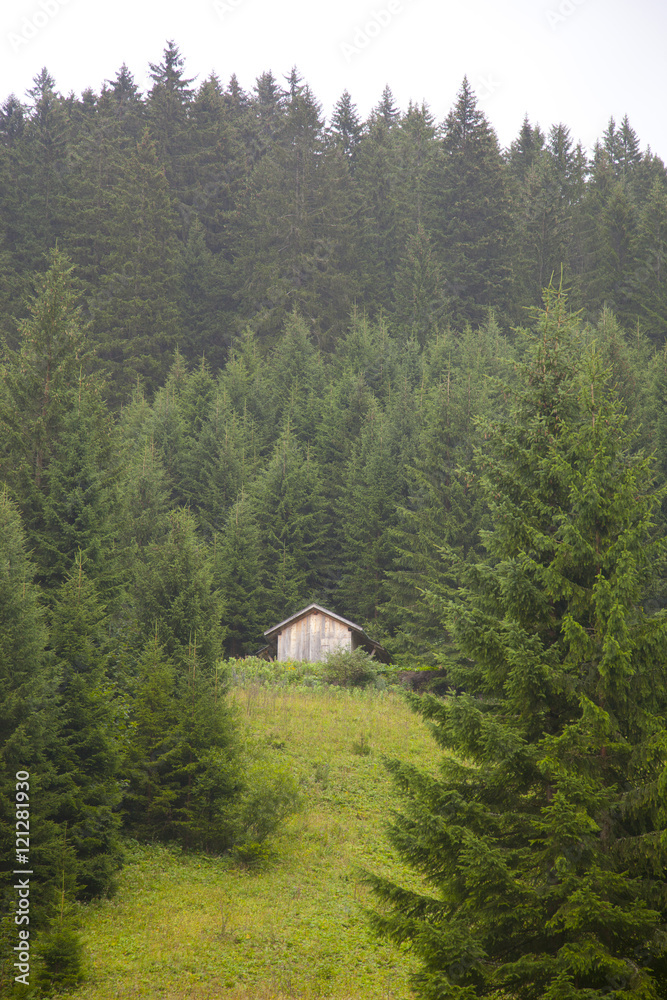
(61, 960)
(541, 839)
(57, 449)
(269, 798)
(345, 668)
(292, 515)
(325, 452)
(175, 596)
(297, 923)
(471, 197)
(183, 756)
(87, 753)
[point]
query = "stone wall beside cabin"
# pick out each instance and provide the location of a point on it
(312, 638)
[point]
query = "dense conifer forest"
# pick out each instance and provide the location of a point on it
(253, 359)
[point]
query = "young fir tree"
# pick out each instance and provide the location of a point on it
(174, 594)
(57, 445)
(371, 491)
(86, 754)
(345, 129)
(419, 300)
(30, 785)
(182, 762)
(542, 841)
(443, 512)
(238, 566)
(292, 514)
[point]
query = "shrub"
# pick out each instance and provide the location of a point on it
(61, 954)
(270, 796)
(345, 669)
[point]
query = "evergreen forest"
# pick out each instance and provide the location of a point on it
(251, 359)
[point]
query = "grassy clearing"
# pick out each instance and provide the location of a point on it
(195, 926)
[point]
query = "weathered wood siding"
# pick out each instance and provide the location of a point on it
(312, 637)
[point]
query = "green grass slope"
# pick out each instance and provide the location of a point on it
(196, 926)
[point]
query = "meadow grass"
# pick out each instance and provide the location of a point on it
(193, 926)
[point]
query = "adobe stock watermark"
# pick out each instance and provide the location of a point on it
(566, 8)
(22, 871)
(367, 31)
(486, 86)
(33, 24)
(224, 7)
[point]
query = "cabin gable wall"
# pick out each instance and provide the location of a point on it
(312, 638)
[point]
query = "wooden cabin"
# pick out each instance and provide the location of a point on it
(313, 632)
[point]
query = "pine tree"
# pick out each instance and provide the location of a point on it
(239, 570)
(419, 299)
(525, 150)
(472, 211)
(542, 839)
(104, 133)
(87, 752)
(57, 451)
(167, 110)
(292, 250)
(13, 279)
(543, 234)
(646, 280)
(385, 110)
(174, 593)
(439, 522)
(183, 758)
(29, 736)
(367, 509)
(377, 177)
(44, 154)
(346, 128)
(292, 515)
(136, 318)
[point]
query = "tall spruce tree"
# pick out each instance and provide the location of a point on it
(175, 596)
(542, 841)
(87, 753)
(57, 451)
(472, 222)
(30, 740)
(136, 317)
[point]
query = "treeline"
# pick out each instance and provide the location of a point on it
(191, 212)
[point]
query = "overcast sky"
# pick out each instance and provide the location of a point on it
(575, 61)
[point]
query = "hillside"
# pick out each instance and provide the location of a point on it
(189, 925)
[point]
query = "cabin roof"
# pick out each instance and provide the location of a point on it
(308, 610)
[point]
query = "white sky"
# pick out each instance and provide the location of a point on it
(575, 61)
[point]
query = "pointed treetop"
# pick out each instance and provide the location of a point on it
(418, 117)
(559, 145)
(611, 141)
(628, 146)
(526, 148)
(267, 92)
(123, 88)
(346, 127)
(386, 111)
(43, 86)
(235, 92)
(465, 122)
(169, 73)
(12, 120)
(294, 83)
